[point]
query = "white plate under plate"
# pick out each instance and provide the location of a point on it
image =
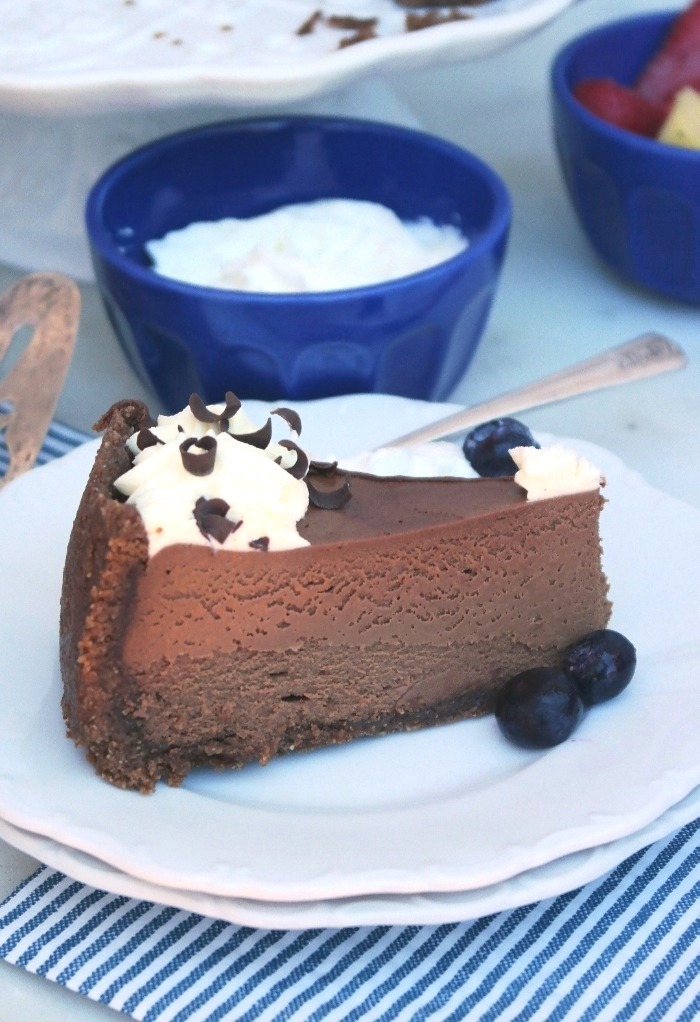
(80, 55)
(547, 881)
(450, 809)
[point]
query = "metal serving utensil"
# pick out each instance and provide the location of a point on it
(648, 355)
(49, 303)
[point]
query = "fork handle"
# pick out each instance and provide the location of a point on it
(648, 355)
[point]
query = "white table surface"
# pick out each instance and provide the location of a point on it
(556, 304)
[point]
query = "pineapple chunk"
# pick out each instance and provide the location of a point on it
(682, 125)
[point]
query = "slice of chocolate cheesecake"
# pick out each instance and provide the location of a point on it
(407, 605)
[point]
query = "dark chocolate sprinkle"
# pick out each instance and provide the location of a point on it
(145, 438)
(260, 438)
(262, 543)
(199, 464)
(292, 418)
(330, 500)
(301, 465)
(210, 516)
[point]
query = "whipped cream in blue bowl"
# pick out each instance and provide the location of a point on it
(328, 297)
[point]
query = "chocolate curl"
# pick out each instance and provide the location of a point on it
(261, 543)
(322, 468)
(301, 466)
(204, 414)
(233, 405)
(292, 418)
(260, 438)
(199, 464)
(330, 500)
(210, 516)
(200, 410)
(145, 438)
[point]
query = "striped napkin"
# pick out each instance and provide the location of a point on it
(626, 947)
(59, 440)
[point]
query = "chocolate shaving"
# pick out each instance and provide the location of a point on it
(262, 543)
(330, 500)
(292, 418)
(416, 22)
(361, 36)
(322, 468)
(347, 21)
(361, 28)
(301, 465)
(145, 438)
(201, 464)
(307, 27)
(210, 516)
(260, 438)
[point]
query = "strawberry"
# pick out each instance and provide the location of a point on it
(620, 105)
(677, 63)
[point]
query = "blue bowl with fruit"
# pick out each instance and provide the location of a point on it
(625, 98)
(413, 336)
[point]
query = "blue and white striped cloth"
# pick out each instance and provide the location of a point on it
(59, 440)
(626, 947)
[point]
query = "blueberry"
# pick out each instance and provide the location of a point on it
(486, 447)
(601, 664)
(539, 708)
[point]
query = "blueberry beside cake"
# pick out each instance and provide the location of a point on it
(227, 601)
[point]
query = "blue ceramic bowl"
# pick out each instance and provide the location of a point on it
(412, 337)
(637, 200)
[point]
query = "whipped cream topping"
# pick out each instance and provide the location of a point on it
(437, 458)
(554, 471)
(318, 246)
(209, 476)
(260, 500)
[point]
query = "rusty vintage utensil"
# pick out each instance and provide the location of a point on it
(49, 303)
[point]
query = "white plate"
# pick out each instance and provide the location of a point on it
(548, 881)
(155, 53)
(448, 809)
